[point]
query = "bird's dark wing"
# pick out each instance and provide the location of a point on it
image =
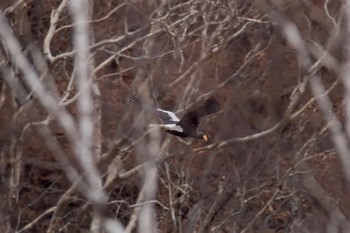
(134, 99)
(144, 106)
(193, 117)
(167, 117)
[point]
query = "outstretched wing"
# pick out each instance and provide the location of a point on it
(134, 99)
(167, 117)
(144, 106)
(210, 106)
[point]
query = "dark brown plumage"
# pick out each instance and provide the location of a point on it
(187, 126)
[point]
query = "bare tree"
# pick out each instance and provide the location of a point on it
(77, 156)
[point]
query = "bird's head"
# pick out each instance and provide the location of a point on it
(202, 136)
(205, 137)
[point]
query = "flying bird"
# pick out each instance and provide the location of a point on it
(187, 126)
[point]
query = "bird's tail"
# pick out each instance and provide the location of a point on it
(157, 127)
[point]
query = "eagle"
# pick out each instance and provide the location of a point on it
(187, 125)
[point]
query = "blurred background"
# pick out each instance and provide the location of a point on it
(77, 156)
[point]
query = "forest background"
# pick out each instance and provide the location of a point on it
(77, 156)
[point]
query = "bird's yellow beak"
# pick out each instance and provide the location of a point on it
(205, 138)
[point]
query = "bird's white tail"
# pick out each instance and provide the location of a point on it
(166, 127)
(155, 126)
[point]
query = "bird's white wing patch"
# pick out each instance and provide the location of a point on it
(175, 128)
(167, 126)
(170, 115)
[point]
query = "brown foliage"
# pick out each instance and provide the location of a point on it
(75, 153)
